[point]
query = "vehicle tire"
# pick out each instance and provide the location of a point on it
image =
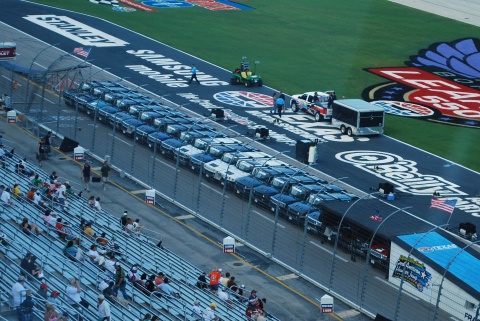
(260, 83)
(293, 106)
(349, 132)
(248, 83)
(343, 129)
(318, 116)
(233, 81)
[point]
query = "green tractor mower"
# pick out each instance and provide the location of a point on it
(244, 75)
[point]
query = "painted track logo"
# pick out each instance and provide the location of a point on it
(443, 79)
(244, 99)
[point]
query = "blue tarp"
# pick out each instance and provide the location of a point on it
(442, 251)
(20, 69)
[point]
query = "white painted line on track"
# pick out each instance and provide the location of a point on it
(268, 218)
(19, 85)
(287, 277)
(140, 191)
(36, 63)
(184, 217)
(125, 142)
(328, 251)
(38, 95)
(396, 287)
(211, 188)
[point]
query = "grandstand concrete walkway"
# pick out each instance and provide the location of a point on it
(466, 11)
(289, 297)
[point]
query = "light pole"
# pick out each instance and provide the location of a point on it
(338, 235)
(201, 166)
(225, 182)
(277, 207)
(402, 279)
(178, 158)
(367, 259)
(250, 197)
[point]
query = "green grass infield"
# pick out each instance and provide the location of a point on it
(305, 45)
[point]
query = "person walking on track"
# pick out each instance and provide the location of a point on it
(194, 74)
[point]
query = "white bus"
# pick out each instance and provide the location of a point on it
(357, 117)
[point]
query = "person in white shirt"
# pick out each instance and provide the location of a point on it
(6, 197)
(103, 309)
(18, 292)
(97, 205)
(95, 255)
(196, 311)
(223, 295)
(209, 313)
(73, 291)
(110, 264)
(62, 195)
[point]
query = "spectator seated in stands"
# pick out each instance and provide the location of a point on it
(24, 264)
(43, 291)
(59, 227)
(253, 300)
(37, 182)
(17, 292)
(17, 193)
(4, 241)
(151, 287)
(88, 229)
(231, 282)
(224, 279)
(124, 219)
(53, 177)
(5, 195)
(129, 227)
(50, 218)
(97, 256)
(239, 292)
(167, 289)
(21, 168)
(31, 194)
(223, 295)
(96, 204)
(196, 311)
(133, 276)
(69, 190)
(31, 177)
(202, 281)
(29, 228)
(26, 307)
(50, 312)
(53, 299)
(209, 313)
(159, 278)
(73, 291)
(137, 227)
(109, 293)
(91, 201)
(33, 269)
(102, 240)
(70, 250)
(110, 263)
(37, 200)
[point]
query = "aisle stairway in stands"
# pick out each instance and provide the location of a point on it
(136, 250)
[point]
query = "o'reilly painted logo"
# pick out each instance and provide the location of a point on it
(76, 31)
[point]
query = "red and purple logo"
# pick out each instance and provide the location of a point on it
(441, 84)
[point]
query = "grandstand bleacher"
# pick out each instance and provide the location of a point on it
(58, 269)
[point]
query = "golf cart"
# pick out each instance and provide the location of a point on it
(244, 75)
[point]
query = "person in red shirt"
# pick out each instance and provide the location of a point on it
(214, 280)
